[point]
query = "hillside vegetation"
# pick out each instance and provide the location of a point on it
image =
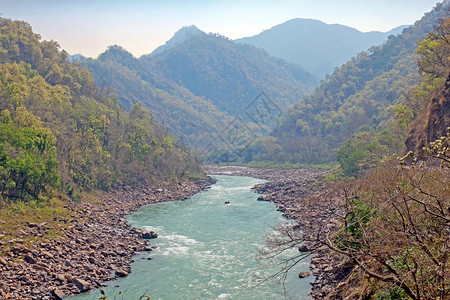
(60, 132)
(395, 229)
(386, 233)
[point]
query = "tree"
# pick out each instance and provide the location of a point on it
(434, 51)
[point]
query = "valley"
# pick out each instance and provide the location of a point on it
(187, 170)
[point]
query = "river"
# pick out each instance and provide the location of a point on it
(207, 249)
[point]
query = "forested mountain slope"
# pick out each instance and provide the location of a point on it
(199, 83)
(230, 74)
(191, 117)
(393, 236)
(317, 46)
(364, 95)
(58, 130)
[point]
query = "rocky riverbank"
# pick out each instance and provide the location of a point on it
(302, 195)
(95, 247)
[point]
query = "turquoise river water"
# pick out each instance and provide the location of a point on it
(207, 249)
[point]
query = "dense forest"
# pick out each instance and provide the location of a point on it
(59, 131)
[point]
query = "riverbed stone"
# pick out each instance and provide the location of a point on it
(58, 294)
(148, 234)
(121, 273)
(30, 259)
(303, 248)
(304, 274)
(81, 284)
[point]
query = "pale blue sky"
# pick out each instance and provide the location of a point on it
(89, 26)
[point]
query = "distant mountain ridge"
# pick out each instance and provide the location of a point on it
(317, 46)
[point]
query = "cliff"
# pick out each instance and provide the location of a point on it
(436, 123)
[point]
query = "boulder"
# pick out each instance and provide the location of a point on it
(61, 278)
(121, 273)
(47, 254)
(148, 234)
(58, 294)
(3, 261)
(30, 259)
(304, 274)
(81, 284)
(303, 248)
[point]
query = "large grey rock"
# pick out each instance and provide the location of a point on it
(58, 294)
(81, 284)
(148, 234)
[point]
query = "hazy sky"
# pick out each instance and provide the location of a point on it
(89, 26)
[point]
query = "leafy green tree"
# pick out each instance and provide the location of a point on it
(434, 51)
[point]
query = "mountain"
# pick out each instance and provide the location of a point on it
(317, 46)
(191, 117)
(361, 112)
(201, 83)
(230, 74)
(179, 37)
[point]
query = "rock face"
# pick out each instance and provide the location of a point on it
(435, 125)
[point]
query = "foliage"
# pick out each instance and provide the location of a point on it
(27, 156)
(403, 240)
(434, 51)
(365, 150)
(59, 131)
